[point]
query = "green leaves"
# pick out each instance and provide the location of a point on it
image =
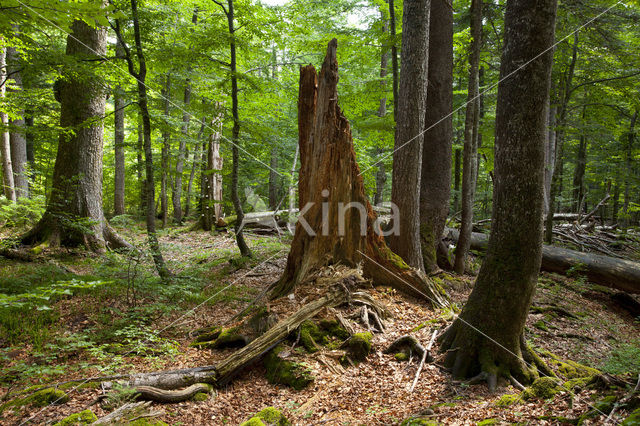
(41, 298)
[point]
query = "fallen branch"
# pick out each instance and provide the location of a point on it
(150, 393)
(424, 357)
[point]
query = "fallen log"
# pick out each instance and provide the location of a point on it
(620, 274)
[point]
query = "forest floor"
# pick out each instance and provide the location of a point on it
(111, 315)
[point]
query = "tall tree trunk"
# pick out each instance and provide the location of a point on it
(470, 137)
(235, 136)
(194, 164)
(556, 179)
(394, 57)
(407, 156)
(628, 161)
(549, 155)
(435, 185)
(176, 195)
(337, 226)
(212, 178)
(29, 137)
(17, 137)
(140, 168)
(5, 147)
(488, 335)
(166, 149)
(292, 190)
(74, 213)
(381, 174)
(149, 188)
(118, 103)
(578, 172)
(273, 178)
(456, 180)
(381, 180)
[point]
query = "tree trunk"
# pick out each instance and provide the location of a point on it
(118, 104)
(17, 139)
(435, 185)
(456, 180)
(212, 179)
(556, 179)
(394, 57)
(487, 337)
(628, 162)
(549, 155)
(381, 174)
(74, 213)
(166, 149)
(5, 147)
(194, 164)
(273, 179)
(407, 156)
(140, 167)
(470, 148)
(381, 180)
(292, 189)
(578, 173)
(336, 222)
(235, 137)
(176, 195)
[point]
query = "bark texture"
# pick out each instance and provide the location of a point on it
(438, 137)
(488, 335)
(407, 156)
(17, 136)
(212, 179)
(470, 149)
(166, 149)
(337, 223)
(118, 103)
(74, 213)
(5, 147)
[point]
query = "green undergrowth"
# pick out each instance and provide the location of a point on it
(267, 416)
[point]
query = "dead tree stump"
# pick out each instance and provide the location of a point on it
(337, 223)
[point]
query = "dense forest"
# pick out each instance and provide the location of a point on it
(257, 212)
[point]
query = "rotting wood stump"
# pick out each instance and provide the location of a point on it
(337, 224)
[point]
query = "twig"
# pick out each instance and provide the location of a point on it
(424, 357)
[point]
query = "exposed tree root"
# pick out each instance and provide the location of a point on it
(150, 393)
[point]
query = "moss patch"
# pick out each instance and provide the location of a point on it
(270, 416)
(633, 419)
(85, 417)
(147, 422)
(401, 356)
(41, 398)
(220, 339)
(200, 396)
(286, 372)
(418, 421)
(358, 346)
(603, 406)
(543, 388)
(507, 399)
(310, 336)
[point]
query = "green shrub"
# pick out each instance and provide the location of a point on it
(25, 212)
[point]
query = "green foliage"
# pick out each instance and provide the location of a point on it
(41, 298)
(24, 212)
(623, 359)
(268, 416)
(85, 417)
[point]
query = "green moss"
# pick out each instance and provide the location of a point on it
(85, 417)
(270, 416)
(200, 396)
(418, 421)
(286, 372)
(577, 383)
(543, 388)
(486, 422)
(41, 398)
(572, 370)
(209, 335)
(333, 328)
(603, 406)
(310, 336)
(401, 356)
(228, 338)
(507, 399)
(633, 419)
(358, 346)
(541, 325)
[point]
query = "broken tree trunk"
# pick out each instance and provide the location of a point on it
(607, 271)
(336, 222)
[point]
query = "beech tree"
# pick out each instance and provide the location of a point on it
(5, 147)
(407, 155)
(435, 181)
(17, 137)
(74, 212)
(488, 337)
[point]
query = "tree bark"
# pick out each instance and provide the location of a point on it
(194, 164)
(212, 179)
(166, 149)
(407, 156)
(549, 155)
(394, 57)
(74, 213)
(488, 335)
(470, 148)
(628, 162)
(235, 136)
(435, 185)
(556, 179)
(17, 139)
(456, 180)
(578, 173)
(5, 146)
(381, 174)
(273, 178)
(176, 195)
(119, 166)
(140, 167)
(336, 222)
